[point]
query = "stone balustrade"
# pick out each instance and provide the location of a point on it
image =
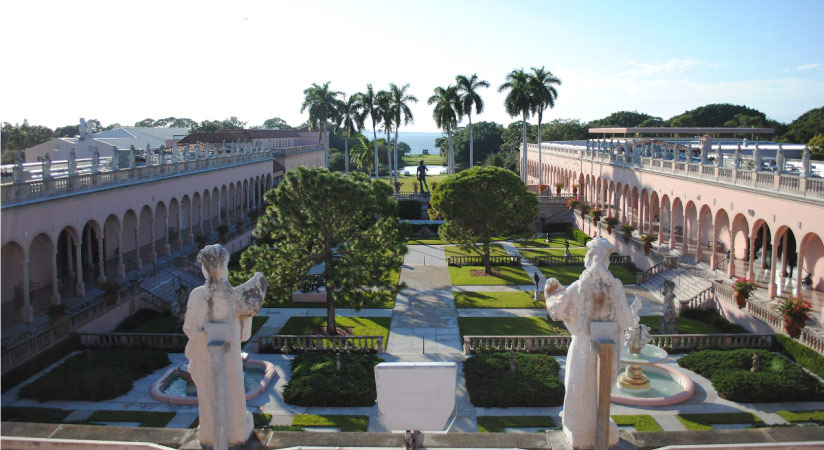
(420, 196)
(294, 343)
(703, 299)
(174, 342)
(560, 260)
(479, 261)
(803, 186)
(560, 344)
(812, 340)
(651, 272)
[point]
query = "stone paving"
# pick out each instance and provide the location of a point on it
(424, 327)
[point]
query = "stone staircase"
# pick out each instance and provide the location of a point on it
(690, 281)
(163, 285)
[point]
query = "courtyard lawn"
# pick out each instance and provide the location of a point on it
(385, 300)
(532, 253)
(802, 416)
(499, 424)
(568, 274)
(406, 182)
(429, 160)
(153, 419)
(345, 423)
(33, 414)
(554, 242)
(361, 326)
(641, 422)
(509, 326)
(427, 242)
(502, 275)
(454, 250)
(508, 299)
(685, 325)
(705, 421)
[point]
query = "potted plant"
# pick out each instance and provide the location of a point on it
(596, 214)
(584, 207)
(223, 232)
(574, 189)
(795, 313)
(648, 239)
(743, 289)
(627, 229)
(572, 203)
(542, 189)
(111, 290)
(415, 187)
(58, 319)
(611, 222)
(558, 187)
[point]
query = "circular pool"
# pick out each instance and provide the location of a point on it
(173, 388)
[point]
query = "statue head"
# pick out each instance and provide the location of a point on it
(668, 288)
(598, 251)
(214, 262)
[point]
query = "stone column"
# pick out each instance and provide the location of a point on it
(763, 246)
(192, 224)
(685, 246)
(88, 239)
(714, 256)
(139, 261)
(27, 309)
(641, 211)
(101, 271)
(55, 291)
(772, 286)
(731, 266)
(785, 253)
(80, 287)
(661, 223)
(152, 239)
(70, 270)
(121, 268)
(751, 269)
(166, 248)
(699, 249)
(799, 272)
(180, 225)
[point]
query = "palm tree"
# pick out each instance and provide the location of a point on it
(401, 111)
(369, 101)
(384, 101)
(467, 89)
(361, 154)
(323, 105)
(351, 117)
(543, 96)
(447, 113)
(518, 101)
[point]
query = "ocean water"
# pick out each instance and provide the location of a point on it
(416, 141)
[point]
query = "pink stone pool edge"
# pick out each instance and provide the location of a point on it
(268, 375)
(688, 387)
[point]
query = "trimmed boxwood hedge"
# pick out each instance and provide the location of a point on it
(778, 380)
(95, 375)
(800, 353)
(316, 382)
(535, 381)
(580, 237)
(714, 319)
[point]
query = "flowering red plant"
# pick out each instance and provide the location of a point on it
(794, 309)
(572, 203)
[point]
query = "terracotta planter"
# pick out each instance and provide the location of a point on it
(609, 229)
(557, 191)
(647, 248)
(574, 191)
(793, 327)
(741, 300)
(60, 323)
(626, 237)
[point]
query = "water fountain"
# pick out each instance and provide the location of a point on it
(645, 381)
(176, 385)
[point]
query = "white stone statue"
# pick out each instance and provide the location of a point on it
(669, 322)
(95, 159)
(596, 296)
(47, 162)
(805, 162)
(72, 162)
(217, 302)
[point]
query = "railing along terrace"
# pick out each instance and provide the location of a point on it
(729, 169)
(33, 181)
(561, 260)
(558, 344)
(479, 260)
(159, 341)
(295, 343)
(812, 340)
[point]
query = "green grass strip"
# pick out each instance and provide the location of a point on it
(554, 242)
(33, 414)
(498, 424)
(569, 274)
(257, 322)
(344, 422)
(502, 275)
(154, 419)
(685, 326)
(706, 421)
(507, 299)
(454, 250)
(361, 326)
(641, 422)
(802, 416)
(533, 253)
(509, 326)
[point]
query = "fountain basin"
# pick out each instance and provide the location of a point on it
(668, 386)
(265, 374)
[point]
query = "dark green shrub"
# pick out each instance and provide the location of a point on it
(778, 379)
(800, 353)
(139, 318)
(95, 375)
(316, 382)
(535, 381)
(712, 317)
(409, 209)
(580, 237)
(37, 363)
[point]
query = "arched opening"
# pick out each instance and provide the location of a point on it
(69, 268)
(92, 245)
(665, 221)
(112, 247)
(690, 229)
(160, 237)
(15, 294)
(677, 231)
(784, 261)
(721, 238)
(704, 235)
(43, 274)
(146, 236)
(760, 251)
(810, 286)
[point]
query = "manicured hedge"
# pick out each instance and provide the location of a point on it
(714, 319)
(800, 353)
(316, 382)
(37, 363)
(95, 375)
(535, 381)
(580, 237)
(778, 380)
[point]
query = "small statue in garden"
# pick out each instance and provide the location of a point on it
(669, 323)
(756, 362)
(219, 316)
(567, 254)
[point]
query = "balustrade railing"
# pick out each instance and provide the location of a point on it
(561, 260)
(672, 342)
(160, 341)
(812, 340)
(700, 300)
(479, 260)
(294, 343)
(651, 272)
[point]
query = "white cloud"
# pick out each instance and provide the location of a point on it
(807, 66)
(672, 65)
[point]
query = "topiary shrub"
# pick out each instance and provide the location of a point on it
(580, 237)
(778, 378)
(535, 381)
(316, 381)
(800, 353)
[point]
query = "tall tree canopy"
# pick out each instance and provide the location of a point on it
(471, 99)
(448, 111)
(276, 122)
(347, 223)
(401, 113)
(323, 105)
(487, 136)
(623, 119)
(483, 202)
(232, 123)
(519, 100)
(542, 84)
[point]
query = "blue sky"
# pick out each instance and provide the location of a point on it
(210, 60)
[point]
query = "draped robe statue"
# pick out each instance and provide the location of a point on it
(596, 296)
(218, 302)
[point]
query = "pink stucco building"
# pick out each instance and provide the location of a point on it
(67, 225)
(765, 225)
